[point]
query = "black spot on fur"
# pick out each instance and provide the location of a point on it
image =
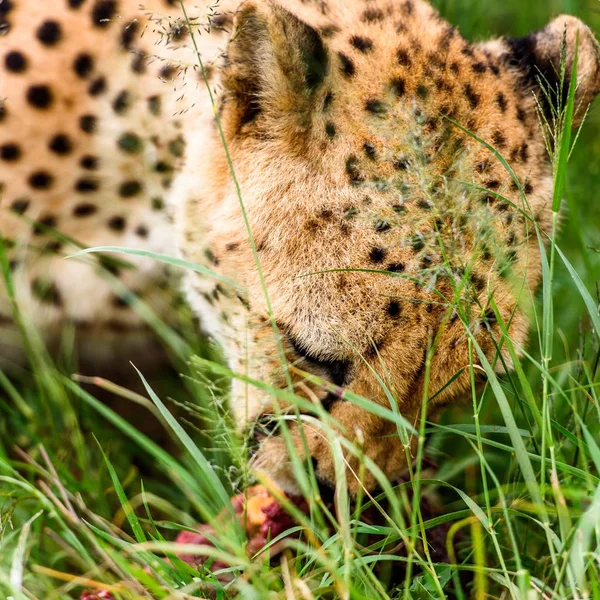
(15, 62)
(490, 317)
(87, 185)
(122, 102)
(417, 243)
(138, 63)
(141, 231)
(97, 87)
(482, 166)
(347, 66)
(477, 282)
(375, 106)
(41, 180)
(377, 254)
(117, 223)
(128, 33)
(330, 129)
(61, 144)
(395, 268)
(20, 205)
(103, 12)
(498, 139)
(362, 44)
(437, 61)
(49, 33)
(129, 189)
(398, 87)
(124, 302)
(213, 260)
(426, 262)
(180, 31)
(163, 167)
(5, 7)
(177, 147)
(329, 30)
(466, 50)
(478, 67)
(352, 170)
(373, 15)
(473, 98)
(131, 143)
(370, 150)
(501, 102)
(154, 105)
(403, 58)
(83, 65)
(168, 72)
(382, 226)
(40, 96)
(220, 20)
(43, 223)
(46, 291)
(10, 152)
(53, 246)
(85, 210)
(401, 164)
(393, 309)
(88, 123)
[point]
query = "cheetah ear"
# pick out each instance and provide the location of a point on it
(274, 67)
(539, 54)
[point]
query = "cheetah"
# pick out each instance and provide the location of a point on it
(91, 138)
(341, 175)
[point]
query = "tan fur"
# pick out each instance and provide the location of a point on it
(377, 240)
(308, 217)
(84, 199)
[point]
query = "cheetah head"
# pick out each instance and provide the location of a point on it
(368, 142)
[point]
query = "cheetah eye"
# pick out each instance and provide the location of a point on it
(337, 372)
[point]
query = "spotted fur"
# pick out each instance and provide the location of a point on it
(383, 229)
(91, 137)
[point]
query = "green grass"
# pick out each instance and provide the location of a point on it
(87, 497)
